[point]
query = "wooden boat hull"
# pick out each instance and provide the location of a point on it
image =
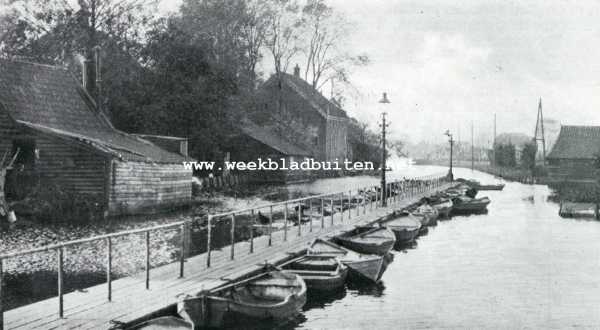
(319, 272)
(490, 187)
(473, 206)
(404, 235)
(164, 322)
(209, 310)
(375, 241)
(369, 268)
(331, 283)
(360, 266)
(405, 227)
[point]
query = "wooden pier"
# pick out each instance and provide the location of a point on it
(130, 299)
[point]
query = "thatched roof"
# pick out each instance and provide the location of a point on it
(576, 142)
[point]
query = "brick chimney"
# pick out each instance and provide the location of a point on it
(297, 71)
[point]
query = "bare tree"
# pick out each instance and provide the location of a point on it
(283, 33)
(326, 31)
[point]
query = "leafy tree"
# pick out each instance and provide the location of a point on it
(528, 156)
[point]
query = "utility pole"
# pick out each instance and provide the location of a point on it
(383, 125)
(451, 141)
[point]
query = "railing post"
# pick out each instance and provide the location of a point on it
(182, 250)
(285, 211)
(1, 295)
(357, 204)
(147, 260)
(270, 225)
(60, 282)
(300, 219)
(252, 221)
(232, 236)
(349, 204)
(322, 213)
(342, 207)
(208, 240)
(109, 267)
(310, 207)
(364, 201)
(332, 211)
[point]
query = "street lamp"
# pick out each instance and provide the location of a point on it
(451, 141)
(384, 100)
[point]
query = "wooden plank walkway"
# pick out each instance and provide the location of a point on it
(131, 301)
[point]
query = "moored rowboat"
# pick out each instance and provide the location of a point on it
(319, 272)
(406, 227)
(443, 206)
(466, 205)
(364, 266)
(368, 240)
(429, 212)
(163, 322)
(272, 294)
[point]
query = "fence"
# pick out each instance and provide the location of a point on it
(311, 212)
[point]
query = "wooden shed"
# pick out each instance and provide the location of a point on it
(574, 154)
(62, 137)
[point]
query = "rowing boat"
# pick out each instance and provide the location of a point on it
(362, 266)
(406, 227)
(466, 205)
(270, 295)
(427, 211)
(368, 240)
(163, 322)
(319, 272)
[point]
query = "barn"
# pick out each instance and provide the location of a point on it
(62, 137)
(574, 154)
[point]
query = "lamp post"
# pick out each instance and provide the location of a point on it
(451, 141)
(384, 100)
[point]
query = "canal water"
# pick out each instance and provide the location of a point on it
(518, 266)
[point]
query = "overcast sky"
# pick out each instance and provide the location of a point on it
(445, 63)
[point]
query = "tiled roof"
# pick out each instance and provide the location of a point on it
(312, 96)
(265, 136)
(50, 100)
(576, 142)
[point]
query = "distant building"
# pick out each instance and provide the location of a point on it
(573, 156)
(62, 137)
(304, 117)
(518, 140)
(253, 141)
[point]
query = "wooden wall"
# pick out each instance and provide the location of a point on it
(571, 169)
(75, 168)
(137, 187)
(336, 139)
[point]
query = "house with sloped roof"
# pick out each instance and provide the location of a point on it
(252, 142)
(62, 137)
(574, 154)
(302, 115)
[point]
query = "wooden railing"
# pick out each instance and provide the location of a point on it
(365, 198)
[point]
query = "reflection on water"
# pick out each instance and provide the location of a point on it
(519, 266)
